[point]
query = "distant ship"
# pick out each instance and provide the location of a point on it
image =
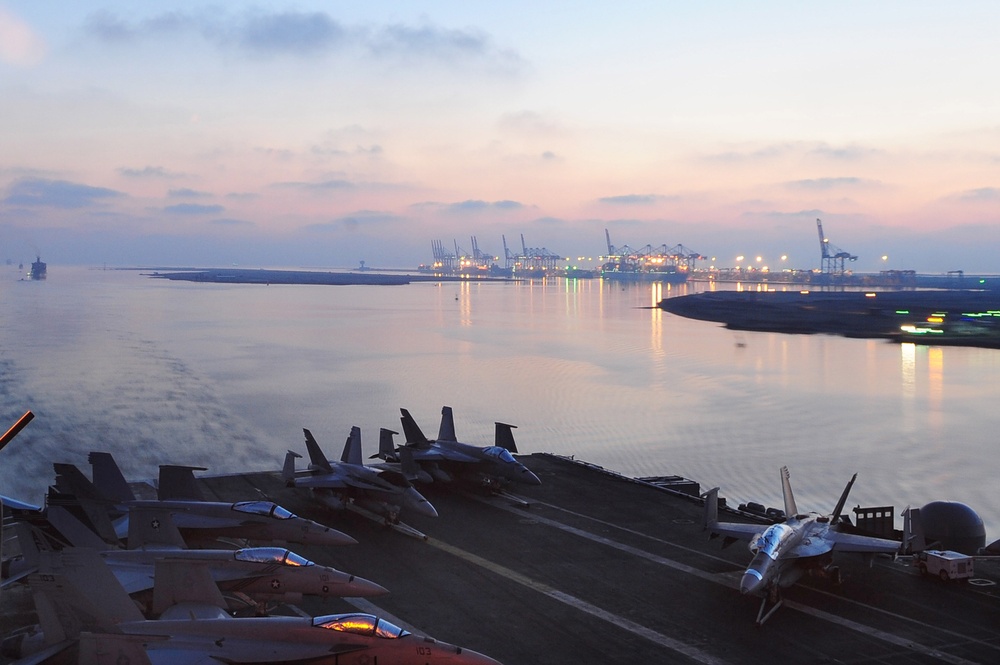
(38, 269)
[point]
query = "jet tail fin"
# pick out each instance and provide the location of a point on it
(505, 437)
(75, 532)
(288, 470)
(411, 431)
(148, 525)
(75, 591)
(316, 457)
(74, 489)
(70, 480)
(178, 581)
(711, 508)
(843, 500)
(786, 491)
(408, 466)
(352, 448)
(178, 482)
(108, 477)
(446, 432)
(386, 444)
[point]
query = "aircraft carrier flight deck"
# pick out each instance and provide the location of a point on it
(595, 567)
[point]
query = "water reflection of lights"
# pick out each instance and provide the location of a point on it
(908, 367)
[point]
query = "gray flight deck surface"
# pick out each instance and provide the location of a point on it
(603, 569)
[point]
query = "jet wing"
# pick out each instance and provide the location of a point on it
(849, 542)
(736, 530)
(325, 481)
(442, 454)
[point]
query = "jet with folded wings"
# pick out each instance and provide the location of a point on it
(446, 457)
(79, 603)
(339, 484)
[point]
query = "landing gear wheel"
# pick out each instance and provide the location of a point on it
(835, 575)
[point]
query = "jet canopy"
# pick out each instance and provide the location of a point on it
(263, 508)
(772, 539)
(360, 624)
(501, 454)
(276, 555)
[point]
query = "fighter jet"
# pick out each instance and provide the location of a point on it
(784, 552)
(338, 484)
(251, 576)
(79, 602)
(445, 457)
(110, 497)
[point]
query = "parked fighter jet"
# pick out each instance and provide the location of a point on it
(784, 552)
(261, 521)
(254, 575)
(338, 484)
(78, 600)
(446, 457)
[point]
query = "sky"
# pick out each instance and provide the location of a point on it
(327, 133)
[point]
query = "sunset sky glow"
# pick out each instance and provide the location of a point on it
(321, 134)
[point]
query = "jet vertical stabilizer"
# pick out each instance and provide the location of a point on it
(835, 516)
(446, 432)
(352, 448)
(386, 444)
(505, 437)
(77, 490)
(786, 491)
(75, 532)
(317, 460)
(185, 590)
(153, 528)
(411, 431)
(178, 482)
(288, 470)
(73, 591)
(108, 477)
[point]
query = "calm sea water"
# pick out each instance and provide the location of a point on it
(226, 376)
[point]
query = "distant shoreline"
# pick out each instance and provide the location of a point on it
(264, 276)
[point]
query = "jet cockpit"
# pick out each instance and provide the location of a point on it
(360, 624)
(276, 555)
(500, 453)
(770, 541)
(264, 509)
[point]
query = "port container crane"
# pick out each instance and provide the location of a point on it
(832, 256)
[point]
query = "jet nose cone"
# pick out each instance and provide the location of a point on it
(330, 536)
(416, 502)
(527, 477)
(359, 587)
(751, 582)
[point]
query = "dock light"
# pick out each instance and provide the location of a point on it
(869, 295)
(935, 319)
